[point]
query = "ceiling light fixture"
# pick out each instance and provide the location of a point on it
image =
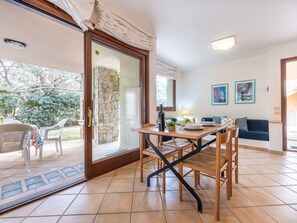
(15, 44)
(223, 44)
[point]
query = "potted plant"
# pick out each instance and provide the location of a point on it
(171, 125)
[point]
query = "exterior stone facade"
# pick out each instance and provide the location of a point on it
(106, 105)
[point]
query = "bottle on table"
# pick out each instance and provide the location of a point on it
(161, 119)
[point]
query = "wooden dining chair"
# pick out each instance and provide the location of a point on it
(167, 151)
(234, 167)
(213, 167)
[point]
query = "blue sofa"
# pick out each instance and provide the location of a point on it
(258, 129)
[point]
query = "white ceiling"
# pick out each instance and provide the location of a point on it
(185, 29)
(49, 43)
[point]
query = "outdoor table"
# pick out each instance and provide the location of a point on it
(193, 136)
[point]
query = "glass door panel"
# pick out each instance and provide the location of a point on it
(115, 102)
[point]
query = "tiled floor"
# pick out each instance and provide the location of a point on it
(54, 169)
(267, 192)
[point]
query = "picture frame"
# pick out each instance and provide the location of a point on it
(219, 94)
(245, 92)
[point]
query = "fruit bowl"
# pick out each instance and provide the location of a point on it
(192, 126)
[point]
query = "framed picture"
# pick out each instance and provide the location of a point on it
(219, 94)
(245, 92)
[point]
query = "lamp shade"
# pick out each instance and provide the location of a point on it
(185, 113)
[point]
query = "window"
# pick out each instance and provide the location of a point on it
(166, 92)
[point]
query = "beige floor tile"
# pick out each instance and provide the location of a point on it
(226, 216)
(294, 206)
(238, 199)
(52, 219)
(260, 196)
(281, 179)
(171, 183)
(121, 185)
(73, 190)
(148, 217)
(171, 201)
(291, 166)
(184, 216)
(280, 168)
(282, 213)
(262, 169)
(147, 201)
(246, 170)
(292, 175)
(293, 188)
(113, 218)
(116, 203)
(251, 215)
(244, 182)
(141, 186)
(11, 220)
(85, 204)
(23, 211)
(261, 180)
(99, 186)
(125, 173)
(284, 194)
(77, 219)
(108, 175)
(54, 205)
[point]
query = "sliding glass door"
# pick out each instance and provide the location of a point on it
(114, 105)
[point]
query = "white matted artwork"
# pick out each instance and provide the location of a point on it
(245, 92)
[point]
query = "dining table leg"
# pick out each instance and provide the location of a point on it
(179, 177)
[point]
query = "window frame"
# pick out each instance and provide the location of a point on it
(169, 108)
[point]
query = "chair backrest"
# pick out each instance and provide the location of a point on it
(59, 126)
(223, 138)
(147, 125)
(17, 132)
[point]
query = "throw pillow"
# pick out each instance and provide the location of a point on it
(242, 123)
(217, 119)
(228, 121)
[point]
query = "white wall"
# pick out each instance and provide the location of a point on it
(265, 68)
(197, 88)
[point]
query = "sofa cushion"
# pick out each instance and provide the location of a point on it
(255, 135)
(242, 123)
(258, 125)
(217, 119)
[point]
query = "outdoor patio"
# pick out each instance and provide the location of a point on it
(53, 169)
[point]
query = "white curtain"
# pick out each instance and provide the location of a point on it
(94, 13)
(165, 70)
(80, 10)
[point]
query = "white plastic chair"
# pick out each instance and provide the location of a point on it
(58, 128)
(22, 143)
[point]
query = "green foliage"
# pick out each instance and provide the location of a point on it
(8, 104)
(47, 107)
(171, 123)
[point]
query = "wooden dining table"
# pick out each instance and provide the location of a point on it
(193, 136)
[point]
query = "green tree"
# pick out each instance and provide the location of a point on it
(48, 106)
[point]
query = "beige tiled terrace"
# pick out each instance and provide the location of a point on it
(12, 168)
(267, 192)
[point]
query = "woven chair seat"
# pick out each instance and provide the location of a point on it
(166, 151)
(177, 143)
(204, 161)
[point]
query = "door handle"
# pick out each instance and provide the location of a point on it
(89, 117)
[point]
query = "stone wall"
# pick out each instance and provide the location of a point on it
(106, 105)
